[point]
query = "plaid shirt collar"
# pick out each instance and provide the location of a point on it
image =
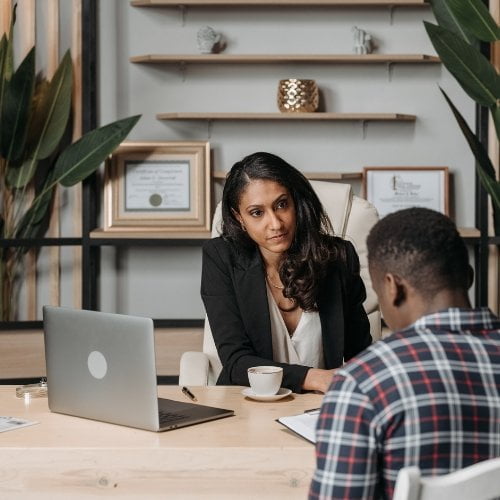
(458, 319)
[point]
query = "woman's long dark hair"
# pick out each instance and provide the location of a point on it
(304, 264)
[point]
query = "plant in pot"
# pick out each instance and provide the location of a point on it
(36, 155)
(462, 25)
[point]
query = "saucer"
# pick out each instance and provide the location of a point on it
(282, 393)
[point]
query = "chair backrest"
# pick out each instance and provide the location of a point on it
(480, 481)
(352, 218)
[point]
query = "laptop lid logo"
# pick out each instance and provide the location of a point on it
(97, 364)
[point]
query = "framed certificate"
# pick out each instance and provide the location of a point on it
(158, 186)
(393, 188)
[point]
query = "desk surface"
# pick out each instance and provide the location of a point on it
(245, 456)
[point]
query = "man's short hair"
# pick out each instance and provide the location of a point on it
(423, 246)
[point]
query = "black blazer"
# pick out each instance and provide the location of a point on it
(233, 290)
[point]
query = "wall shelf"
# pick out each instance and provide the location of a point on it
(316, 176)
(363, 117)
(285, 58)
(469, 233)
(288, 3)
(100, 237)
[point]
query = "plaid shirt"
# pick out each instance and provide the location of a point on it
(427, 396)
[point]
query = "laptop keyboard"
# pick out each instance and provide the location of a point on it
(167, 417)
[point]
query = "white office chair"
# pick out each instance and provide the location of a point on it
(480, 481)
(352, 218)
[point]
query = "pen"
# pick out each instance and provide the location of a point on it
(189, 394)
(313, 411)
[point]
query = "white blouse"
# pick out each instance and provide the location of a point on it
(305, 347)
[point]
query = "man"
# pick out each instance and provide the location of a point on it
(428, 395)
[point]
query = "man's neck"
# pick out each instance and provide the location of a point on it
(418, 306)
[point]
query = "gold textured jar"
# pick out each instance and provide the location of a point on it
(298, 96)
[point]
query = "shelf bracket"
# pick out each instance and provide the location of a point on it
(182, 70)
(210, 124)
(183, 12)
(364, 128)
(391, 14)
(390, 70)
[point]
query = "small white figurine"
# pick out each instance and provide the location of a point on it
(362, 41)
(208, 40)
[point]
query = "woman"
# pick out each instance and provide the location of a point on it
(278, 288)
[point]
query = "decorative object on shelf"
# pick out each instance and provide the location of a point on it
(362, 41)
(209, 40)
(298, 96)
(461, 25)
(36, 155)
(158, 187)
(393, 188)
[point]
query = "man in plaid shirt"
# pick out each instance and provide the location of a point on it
(428, 395)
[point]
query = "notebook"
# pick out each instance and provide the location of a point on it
(303, 424)
(102, 366)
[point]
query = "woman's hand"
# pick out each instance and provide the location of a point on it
(317, 380)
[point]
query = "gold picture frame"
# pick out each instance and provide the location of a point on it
(394, 188)
(153, 187)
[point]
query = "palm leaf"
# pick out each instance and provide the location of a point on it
(3, 57)
(447, 19)
(20, 176)
(16, 107)
(471, 69)
(26, 228)
(84, 156)
(495, 114)
(475, 18)
(51, 113)
(485, 169)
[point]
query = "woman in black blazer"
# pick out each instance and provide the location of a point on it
(277, 241)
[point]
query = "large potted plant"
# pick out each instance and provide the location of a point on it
(462, 25)
(36, 155)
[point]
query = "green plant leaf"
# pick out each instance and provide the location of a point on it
(485, 169)
(495, 113)
(471, 69)
(3, 57)
(51, 112)
(447, 19)
(16, 108)
(26, 228)
(83, 157)
(475, 18)
(18, 177)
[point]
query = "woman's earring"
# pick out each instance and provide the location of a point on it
(243, 227)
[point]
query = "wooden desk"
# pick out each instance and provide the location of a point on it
(245, 456)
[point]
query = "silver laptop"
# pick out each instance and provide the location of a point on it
(102, 366)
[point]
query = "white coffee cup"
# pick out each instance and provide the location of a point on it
(265, 380)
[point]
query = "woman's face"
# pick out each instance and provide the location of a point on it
(267, 213)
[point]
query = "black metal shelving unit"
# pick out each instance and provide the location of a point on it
(91, 192)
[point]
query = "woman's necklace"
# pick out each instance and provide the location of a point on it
(293, 302)
(279, 287)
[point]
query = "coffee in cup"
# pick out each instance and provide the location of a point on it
(265, 380)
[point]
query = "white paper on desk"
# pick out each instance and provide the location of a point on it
(12, 423)
(303, 424)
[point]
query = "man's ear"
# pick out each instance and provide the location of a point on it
(396, 289)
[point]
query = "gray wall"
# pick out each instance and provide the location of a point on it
(164, 282)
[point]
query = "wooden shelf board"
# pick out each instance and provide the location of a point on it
(284, 58)
(327, 176)
(469, 232)
(166, 235)
(288, 116)
(288, 3)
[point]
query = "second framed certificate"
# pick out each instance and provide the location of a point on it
(158, 186)
(393, 188)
